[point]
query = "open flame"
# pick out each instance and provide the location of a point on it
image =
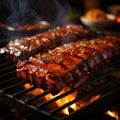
(113, 113)
(64, 100)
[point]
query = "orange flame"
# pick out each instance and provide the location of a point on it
(118, 19)
(113, 114)
(63, 100)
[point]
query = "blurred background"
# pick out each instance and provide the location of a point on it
(55, 12)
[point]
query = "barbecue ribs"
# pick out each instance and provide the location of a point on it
(68, 65)
(25, 47)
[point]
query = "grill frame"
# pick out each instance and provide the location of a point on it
(33, 112)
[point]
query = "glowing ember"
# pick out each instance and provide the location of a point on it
(35, 92)
(93, 98)
(113, 114)
(27, 85)
(63, 100)
(118, 19)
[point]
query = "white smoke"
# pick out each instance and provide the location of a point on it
(33, 11)
(25, 11)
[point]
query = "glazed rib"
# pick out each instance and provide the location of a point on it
(68, 65)
(25, 47)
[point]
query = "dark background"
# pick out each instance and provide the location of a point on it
(17, 12)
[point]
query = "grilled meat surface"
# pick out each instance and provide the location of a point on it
(68, 65)
(25, 47)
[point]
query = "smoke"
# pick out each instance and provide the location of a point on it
(32, 11)
(20, 12)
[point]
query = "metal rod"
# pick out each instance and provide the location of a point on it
(8, 68)
(14, 85)
(14, 78)
(29, 100)
(99, 106)
(7, 74)
(82, 96)
(75, 89)
(15, 95)
(6, 63)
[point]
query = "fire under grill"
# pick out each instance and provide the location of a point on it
(103, 83)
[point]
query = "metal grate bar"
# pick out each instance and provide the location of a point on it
(84, 95)
(94, 82)
(99, 106)
(56, 98)
(75, 89)
(106, 74)
(78, 88)
(15, 95)
(14, 85)
(5, 63)
(29, 100)
(6, 74)
(14, 78)
(7, 68)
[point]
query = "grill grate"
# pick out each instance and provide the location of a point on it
(107, 85)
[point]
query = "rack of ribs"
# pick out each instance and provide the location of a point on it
(68, 65)
(25, 47)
